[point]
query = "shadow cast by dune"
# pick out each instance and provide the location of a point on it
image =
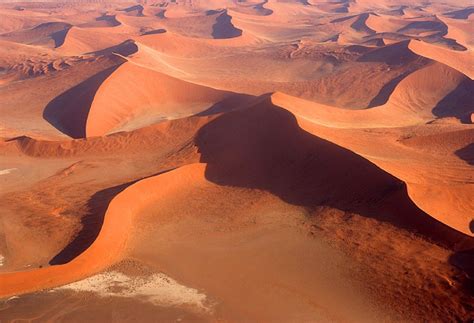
(126, 48)
(68, 112)
(262, 11)
(60, 36)
(460, 14)
(384, 94)
(419, 27)
(264, 148)
(459, 103)
(467, 154)
(111, 19)
(136, 10)
(464, 261)
(223, 27)
(395, 54)
(92, 222)
(234, 102)
(155, 32)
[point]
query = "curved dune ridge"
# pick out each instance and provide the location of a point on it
(214, 24)
(50, 34)
(462, 61)
(114, 101)
(133, 97)
(110, 243)
(102, 21)
(84, 40)
(331, 141)
(120, 215)
(415, 99)
(420, 179)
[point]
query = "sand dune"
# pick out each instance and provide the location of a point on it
(460, 14)
(102, 21)
(84, 40)
(457, 188)
(236, 161)
(212, 24)
(119, 105)
(50, 34)
(217, 143)
(458, 60)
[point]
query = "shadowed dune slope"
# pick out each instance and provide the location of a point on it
(133, 97)
(296, 166)
(86, 40)
(317, 153)
(128, 97)
(69, 112)
(462, 61)
(433, 91)
(213, 24)
(303, 169)
(102, 21)
(51, 34)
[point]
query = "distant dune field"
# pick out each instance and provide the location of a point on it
(236, 161)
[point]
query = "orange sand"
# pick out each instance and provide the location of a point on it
(236, 160)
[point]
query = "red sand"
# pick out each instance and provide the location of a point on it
(236, 161)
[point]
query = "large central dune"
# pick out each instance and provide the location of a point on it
(236, 161)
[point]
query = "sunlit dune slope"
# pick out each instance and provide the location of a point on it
(236, 161)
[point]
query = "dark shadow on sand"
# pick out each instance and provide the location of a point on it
(263, 147)
(467, 154)
(92, 222)
(68, 112)
(459, 103)
(223, 27)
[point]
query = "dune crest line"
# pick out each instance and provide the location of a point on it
(111, 241)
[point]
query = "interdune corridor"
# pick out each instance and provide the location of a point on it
(236, 161)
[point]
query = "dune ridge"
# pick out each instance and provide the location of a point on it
(112, 239)
(318, 153)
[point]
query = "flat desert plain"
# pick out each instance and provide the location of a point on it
(237, 161)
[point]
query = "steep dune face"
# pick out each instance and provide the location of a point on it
(67, 113)
(133, 97)
(357, 23)
(462, 61)
(427, 91)
(292, 157)
(86, 40)
(136, 11)
(51, 34)
(414, 99)
(426, 179)
(102, 21)
(111, 101)
(212, 24)
(94, 259)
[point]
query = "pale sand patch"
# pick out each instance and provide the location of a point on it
(2, 260)
(7, 171)
(158, 289)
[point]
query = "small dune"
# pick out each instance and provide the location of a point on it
(457, 60)
(102, 21)
(51, 34)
